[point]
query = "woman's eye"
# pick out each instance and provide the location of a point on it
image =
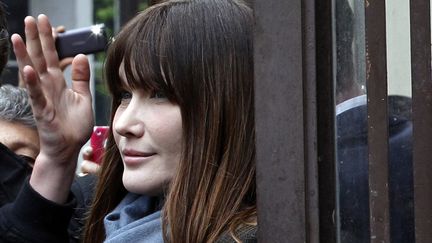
(125, 95)
(30, 161)
(158, 94)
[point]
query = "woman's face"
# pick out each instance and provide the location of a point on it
(148, 132)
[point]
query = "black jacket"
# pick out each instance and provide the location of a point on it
(13, 172)
(33, 219)
(352, 153)
(20, 204)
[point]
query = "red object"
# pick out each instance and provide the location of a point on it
(97, 142)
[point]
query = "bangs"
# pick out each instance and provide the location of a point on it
(139, 47)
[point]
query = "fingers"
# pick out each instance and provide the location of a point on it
(47, 41)
(35, 92)
(81, 74)
(65, 62)
(20, 51)
(33, 43)
(87, 153)
(89, 167)
(60, 29)
(29, 76)
(40, 44)
(56, 30)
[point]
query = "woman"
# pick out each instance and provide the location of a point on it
(181, 152)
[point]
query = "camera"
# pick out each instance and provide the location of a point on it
(85, 40)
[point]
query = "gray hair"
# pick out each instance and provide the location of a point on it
(15, 106)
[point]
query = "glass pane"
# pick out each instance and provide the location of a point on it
(400, 121)
(351, 119)
(351, 72)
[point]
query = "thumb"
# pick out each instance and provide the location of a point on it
(81, 74)
(87, 153)
(89, 167)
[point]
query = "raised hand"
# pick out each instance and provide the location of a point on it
(64, 115)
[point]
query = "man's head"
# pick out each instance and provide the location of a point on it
(17, 125)
(347, 84)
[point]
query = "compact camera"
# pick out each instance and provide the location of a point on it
(85, 40)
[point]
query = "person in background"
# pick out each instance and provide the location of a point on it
(19, 140)
(18, 128)
(180, 161)
(352, 146)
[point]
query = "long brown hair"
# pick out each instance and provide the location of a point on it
(199, 52)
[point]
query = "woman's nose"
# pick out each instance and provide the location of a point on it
(127, 121)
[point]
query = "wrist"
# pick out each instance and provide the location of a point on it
(52, 178)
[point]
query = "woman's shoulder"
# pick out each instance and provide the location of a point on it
(247, 234)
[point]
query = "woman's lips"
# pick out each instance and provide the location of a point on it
(132, 157)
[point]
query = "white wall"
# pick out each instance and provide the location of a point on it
(398, 47)
(70, 13)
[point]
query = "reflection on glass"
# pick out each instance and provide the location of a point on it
(351, 72)
(351, 118)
